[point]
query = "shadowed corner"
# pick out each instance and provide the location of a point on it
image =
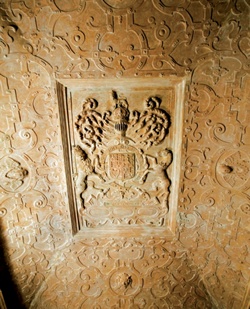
(10, 296)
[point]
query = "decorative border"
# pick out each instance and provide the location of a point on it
(64, 87)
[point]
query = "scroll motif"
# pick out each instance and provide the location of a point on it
(121, 164)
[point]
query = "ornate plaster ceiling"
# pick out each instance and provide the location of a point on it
(205, 263)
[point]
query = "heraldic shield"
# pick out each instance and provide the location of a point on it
(122, 165)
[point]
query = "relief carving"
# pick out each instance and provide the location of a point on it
(119, 171)
(152, 126)
(12, 174)
(90, 124)
(124, 282)
(204, 42)
(232, 169)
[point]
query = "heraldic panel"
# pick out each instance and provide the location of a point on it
(122, 149)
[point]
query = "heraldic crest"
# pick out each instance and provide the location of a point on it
(121, 163)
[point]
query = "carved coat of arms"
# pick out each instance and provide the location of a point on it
(121, 164)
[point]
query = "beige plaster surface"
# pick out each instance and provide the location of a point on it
(56, 53)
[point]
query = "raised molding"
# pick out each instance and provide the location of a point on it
(141, 139)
